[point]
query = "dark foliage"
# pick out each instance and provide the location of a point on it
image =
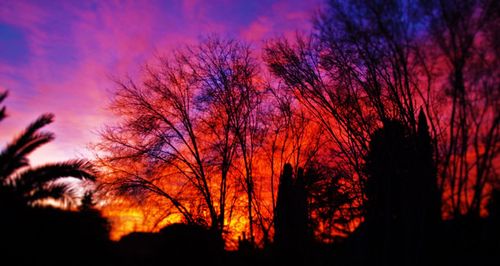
(50, 236)
(291, 224)
(402, 207)
(178, 244)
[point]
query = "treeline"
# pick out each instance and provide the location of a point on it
(374, 139)
(205, 134)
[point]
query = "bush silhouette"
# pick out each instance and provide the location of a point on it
(180, 244)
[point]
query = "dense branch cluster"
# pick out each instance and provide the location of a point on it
(205, 136)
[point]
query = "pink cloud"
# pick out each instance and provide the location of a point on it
(101, 40)
(283, 18)
(259, 28)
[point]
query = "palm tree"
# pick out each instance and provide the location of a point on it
(22, 184)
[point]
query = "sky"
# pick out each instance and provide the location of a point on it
(60, 56)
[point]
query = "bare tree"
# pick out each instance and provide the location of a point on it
(463, 33)
(229, 74)
(291, 136)
(181, 128)
(367, 63)
(354, 73)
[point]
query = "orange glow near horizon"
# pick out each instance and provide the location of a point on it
(128, 217)
(125, 220)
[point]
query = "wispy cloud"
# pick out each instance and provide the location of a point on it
(73, 48)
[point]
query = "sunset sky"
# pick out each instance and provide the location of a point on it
(60, 56)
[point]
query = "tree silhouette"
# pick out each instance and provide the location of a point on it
(292, 136)
(426, 168)
(368, 62)
(427, 197)
(403, 201)
(87, 203)
(388, 168)
(462, 34)
(31, 231)
(30, 185)
(283, 230)
(205, 133)
(292, 217)
(189, 134)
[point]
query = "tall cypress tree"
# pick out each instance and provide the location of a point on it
(291, 218)
(426, 167)
(389, 192)
(284, 208)
(428, 198)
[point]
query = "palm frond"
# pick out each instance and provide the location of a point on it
(2, 113)
(62, 192)
(39, 176)
(14, 156)
(3, 95)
